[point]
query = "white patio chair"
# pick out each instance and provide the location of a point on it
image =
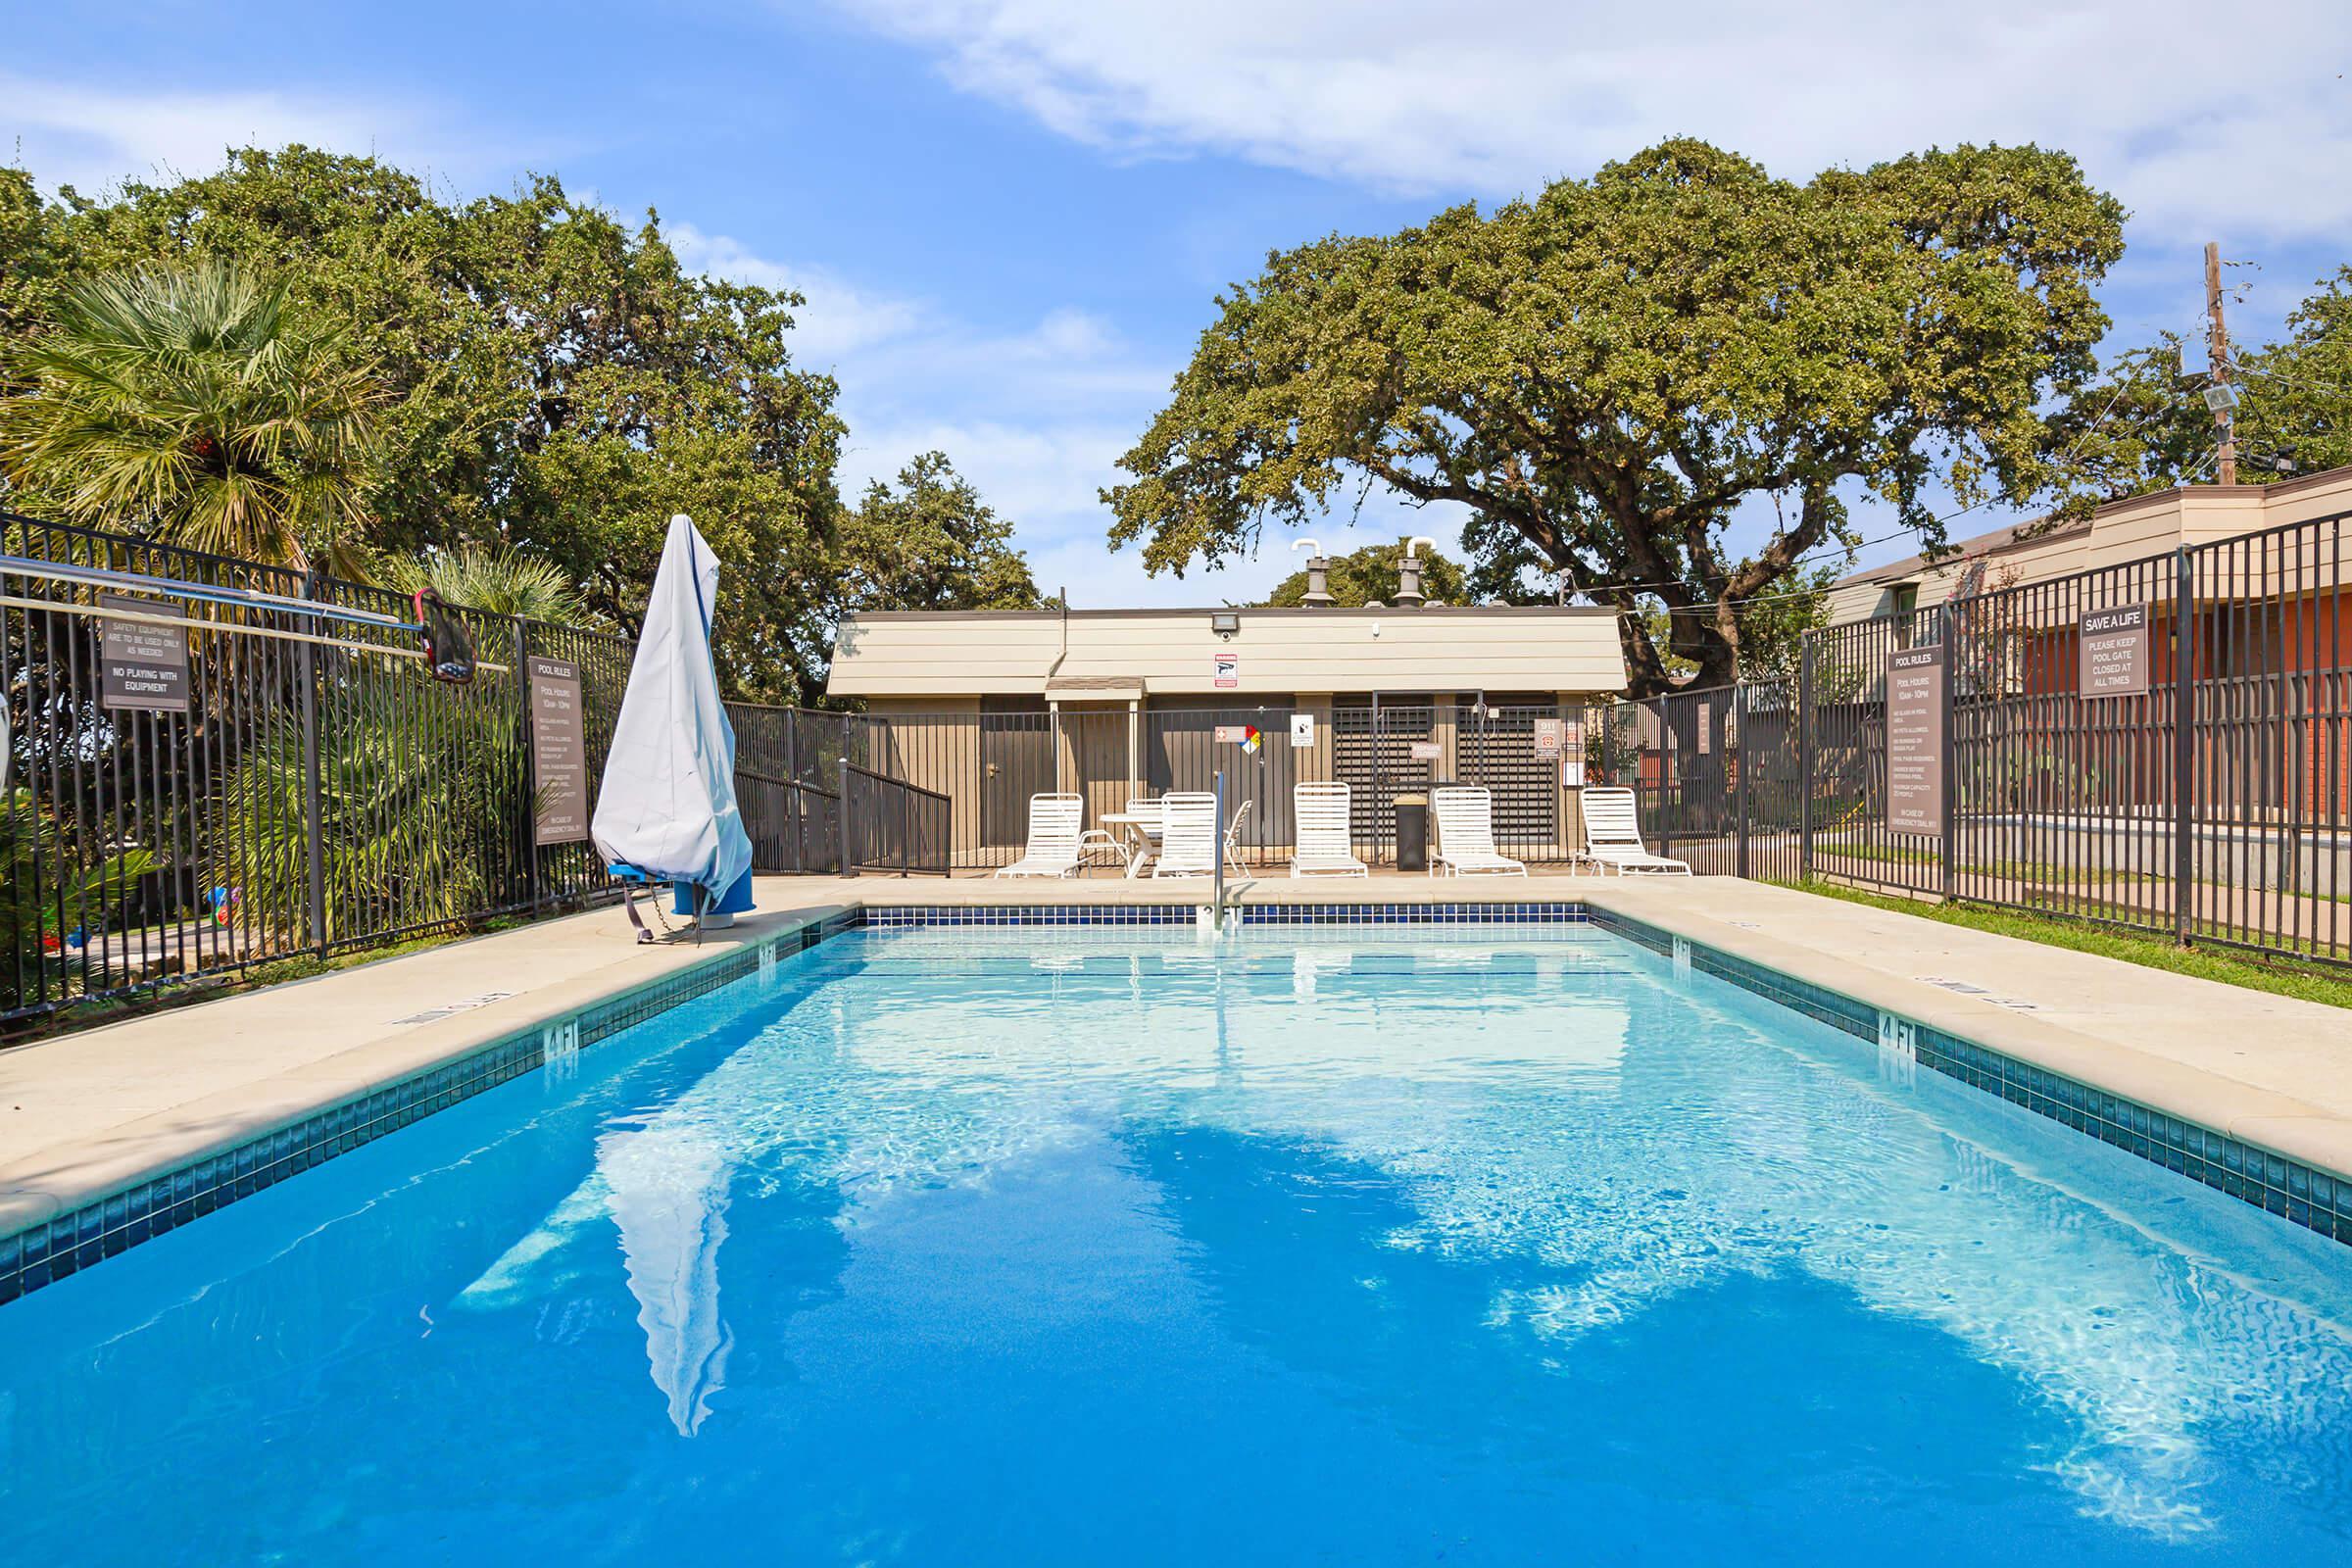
(1321, 812)
(1188, 835)
(1054, 842)
(1466, 835)
(1233, 835)
(1613, 836)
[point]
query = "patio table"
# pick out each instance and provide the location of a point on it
(1141, 830)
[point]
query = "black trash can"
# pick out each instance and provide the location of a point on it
(1412, 832)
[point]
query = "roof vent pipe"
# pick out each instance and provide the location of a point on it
(1318, 581)
(1408, 571)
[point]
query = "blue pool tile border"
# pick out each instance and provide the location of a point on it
(67, 1242)
(2300, 1194)
(1466, 913)
(46, 1252)
(1009, 915)
(1184, 914)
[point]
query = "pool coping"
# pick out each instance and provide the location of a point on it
(2251, 1144)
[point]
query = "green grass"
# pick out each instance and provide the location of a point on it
(2008, 870)
(2305, 982)
(89, 1013)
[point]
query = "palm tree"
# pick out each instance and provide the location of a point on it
(506, 581)
(198, 404)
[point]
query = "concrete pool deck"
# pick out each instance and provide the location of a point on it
(87, 1115)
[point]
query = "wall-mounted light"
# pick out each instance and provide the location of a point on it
(1225, 622)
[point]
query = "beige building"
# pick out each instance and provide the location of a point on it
(990, 707)
(2115, 533)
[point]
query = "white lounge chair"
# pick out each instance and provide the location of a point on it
(1189, 841)
(1188, 835)
(1613, 836)
(1321, 812)
(1466, 835)
(1054, 842)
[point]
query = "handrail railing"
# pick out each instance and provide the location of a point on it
(1218, 895)
(909, 822)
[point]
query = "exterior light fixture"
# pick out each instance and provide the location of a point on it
(1225, 622)
(2221, 397)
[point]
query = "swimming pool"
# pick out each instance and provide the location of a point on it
(1475, 1245)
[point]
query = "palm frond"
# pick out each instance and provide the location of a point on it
(195, 402)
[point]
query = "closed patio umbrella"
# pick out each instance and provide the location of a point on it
(667, 810)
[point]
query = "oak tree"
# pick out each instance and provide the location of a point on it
(1605, 374)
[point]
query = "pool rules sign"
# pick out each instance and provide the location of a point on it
(1915, 721)
(559, 752)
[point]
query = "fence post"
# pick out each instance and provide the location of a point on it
(1949, 633)
(2185, 751)
(530, 746)
(841, 812)
(313, 811)
(1805, 761)
(1736, 712)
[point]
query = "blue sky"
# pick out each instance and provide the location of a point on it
(1010, 215)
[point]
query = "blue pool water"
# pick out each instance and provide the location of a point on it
(1346, 1245)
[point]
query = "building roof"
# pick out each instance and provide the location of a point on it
(1101, 655)
(2135, 529)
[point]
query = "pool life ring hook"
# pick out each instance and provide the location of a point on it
(448, 645)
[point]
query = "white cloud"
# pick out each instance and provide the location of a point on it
(2239, 119)
(839, 317)
(94, 137)
(1035, 417)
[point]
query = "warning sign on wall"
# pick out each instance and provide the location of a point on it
(1228, 669)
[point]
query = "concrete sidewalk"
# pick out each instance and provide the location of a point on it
(88, 1114)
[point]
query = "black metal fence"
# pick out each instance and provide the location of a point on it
(968, 776)
(888, 824)
(2198, 786)
(301, 787)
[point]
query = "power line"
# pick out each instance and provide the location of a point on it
(2072, 451)
(1817, 554)
(2291, 381)
(2186, 475)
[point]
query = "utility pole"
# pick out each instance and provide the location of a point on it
(2217, 352)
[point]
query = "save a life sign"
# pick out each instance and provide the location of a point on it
(2113, 652)
(1915, 721)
